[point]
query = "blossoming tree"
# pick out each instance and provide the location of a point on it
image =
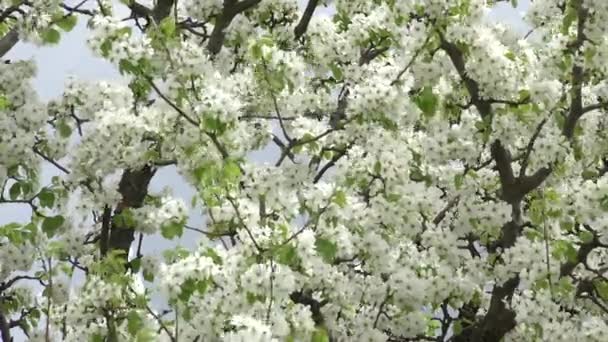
(437, 176)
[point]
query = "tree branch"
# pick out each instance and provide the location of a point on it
(5, 329)
(8, 41)
(577, 73)
(229, 11)
(306, 17)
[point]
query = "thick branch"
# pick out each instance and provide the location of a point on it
(577, 74)
(305, 20)
(5, 330)
(133, 187)
(304, 297)
(162, 10)
(230, 10)
(8, 41)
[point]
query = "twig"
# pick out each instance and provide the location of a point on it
(170, 103)
(411, 61)
(526, 157)
(242, 222)
(50, 160)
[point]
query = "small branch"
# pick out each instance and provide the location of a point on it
(284, 150)
(271, 295)
(526, 157)
(6, 285)
(242, 222)
(104, 236)
(50, 160)
(266, 117)
(219, 146)
(275, 102)
(77, 9)
(170, 103)
(334, 159)
(49, 301)
(139, 245)
(166, 162)
(161, 323)
(411, 61)
(595, 106)
(381, 308)
(441, 215)
(210, 234)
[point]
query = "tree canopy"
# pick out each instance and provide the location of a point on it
(435, 175)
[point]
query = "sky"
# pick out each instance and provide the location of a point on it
(71, 57)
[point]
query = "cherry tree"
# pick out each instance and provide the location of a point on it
(437, 176)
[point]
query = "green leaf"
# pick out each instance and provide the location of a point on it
(106, 47)
(524, 95)
(125, 219)
(15, 191)
(427, 101)
(65, 131)
(51, 224)
(287, 255)
(377, 167)
(589, 174)
(210, 252)
(67, 23)
(320, 335)
(46, 198)
(4, 102)
(125, 31)
(604, 203)
(457, 328)
(336, 71)
(586, 236)
(172, 230)
(134, 323)
(340, 198)
(569, 19)
(167, 26)
(148, 276)
(231, 171)
(514, 3)
(96, 338)
(564, 249)
(602, 288)
(256, 51)
(50, 36)
(125, 66)
(211, 122)
(135, 264)
(326, 249)
(145, 335)
(190, 286)
(458, 181)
